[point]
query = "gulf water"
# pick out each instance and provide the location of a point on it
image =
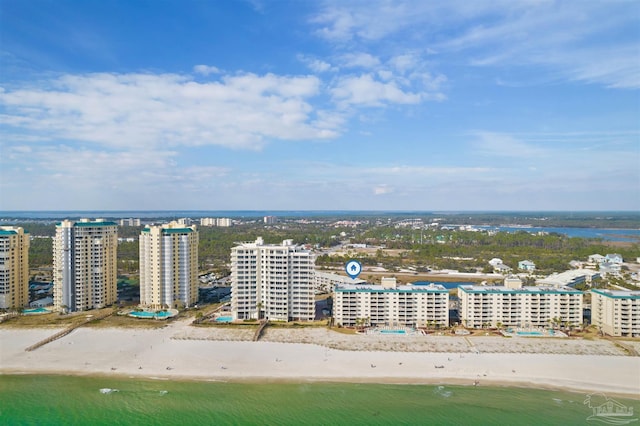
(64, 400)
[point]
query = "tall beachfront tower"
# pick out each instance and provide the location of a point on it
(14, 267)
(168, 266)
(274, 282)
(85, 265)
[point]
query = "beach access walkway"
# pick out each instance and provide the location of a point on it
(66, 331)
(258, 334)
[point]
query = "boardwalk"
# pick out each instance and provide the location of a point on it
(64, 332)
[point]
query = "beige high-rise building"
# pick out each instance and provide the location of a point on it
(168, 266)
(85, 265)
(14, 267)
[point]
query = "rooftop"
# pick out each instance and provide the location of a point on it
(524, 290)
(568, 277)
(376, 288)
(618, 294)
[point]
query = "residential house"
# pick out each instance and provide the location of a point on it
(526, 265)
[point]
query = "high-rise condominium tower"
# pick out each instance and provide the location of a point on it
(272, 281)
(85, 265)
(168, 266)
(14, 267)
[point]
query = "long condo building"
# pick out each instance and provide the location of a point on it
(518, 306)
(14, 267)
(616, 312)
(325, 282)
(391, 304)
(85, 264)
(273, 282)
(168, 266)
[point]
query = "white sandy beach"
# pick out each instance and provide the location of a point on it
(182, 351)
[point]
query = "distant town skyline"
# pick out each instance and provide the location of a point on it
(320, 105)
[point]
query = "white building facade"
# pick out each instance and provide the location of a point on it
(325, 282)
(273, 282)
(85, 265)
(483, 306)
(570, 278)
(14, 267)
(391, 304)
(616, 312)
(168, 266)
(215, 221)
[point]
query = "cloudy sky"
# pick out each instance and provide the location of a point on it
(320, 105)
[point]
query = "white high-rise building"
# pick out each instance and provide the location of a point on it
(273, 282)
(14, 267)
(168, 266)
(85, 264)
(391, 304)
(215, 221)
(616, 312)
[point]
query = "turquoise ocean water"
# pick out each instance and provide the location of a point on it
(63, 400)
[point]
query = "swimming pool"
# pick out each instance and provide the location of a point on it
(224, 319)
(36, 311)
(147, 314)
(393, 332)
(529, 333)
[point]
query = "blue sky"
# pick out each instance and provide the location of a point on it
(320, 105)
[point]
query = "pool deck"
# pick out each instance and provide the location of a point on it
(532, 333)
(161, 315)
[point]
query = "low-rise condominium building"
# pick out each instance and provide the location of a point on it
(391, 304)
(616, 312)
(570, 278)
(324, 282)
(491, 306)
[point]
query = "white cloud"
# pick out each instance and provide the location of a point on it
(505, 145)
(147, 110)
(589, 41)
(382, 189)
(206, 69)
(423, 171)
(359, 60)
(316, 65)
(342, 21)
(404, 63)
(56, 175)
(365, 90)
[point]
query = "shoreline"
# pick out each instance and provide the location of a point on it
(305, 380)
(172, 353)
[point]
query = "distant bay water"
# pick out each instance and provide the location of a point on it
(605, 234)
(68, 400)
